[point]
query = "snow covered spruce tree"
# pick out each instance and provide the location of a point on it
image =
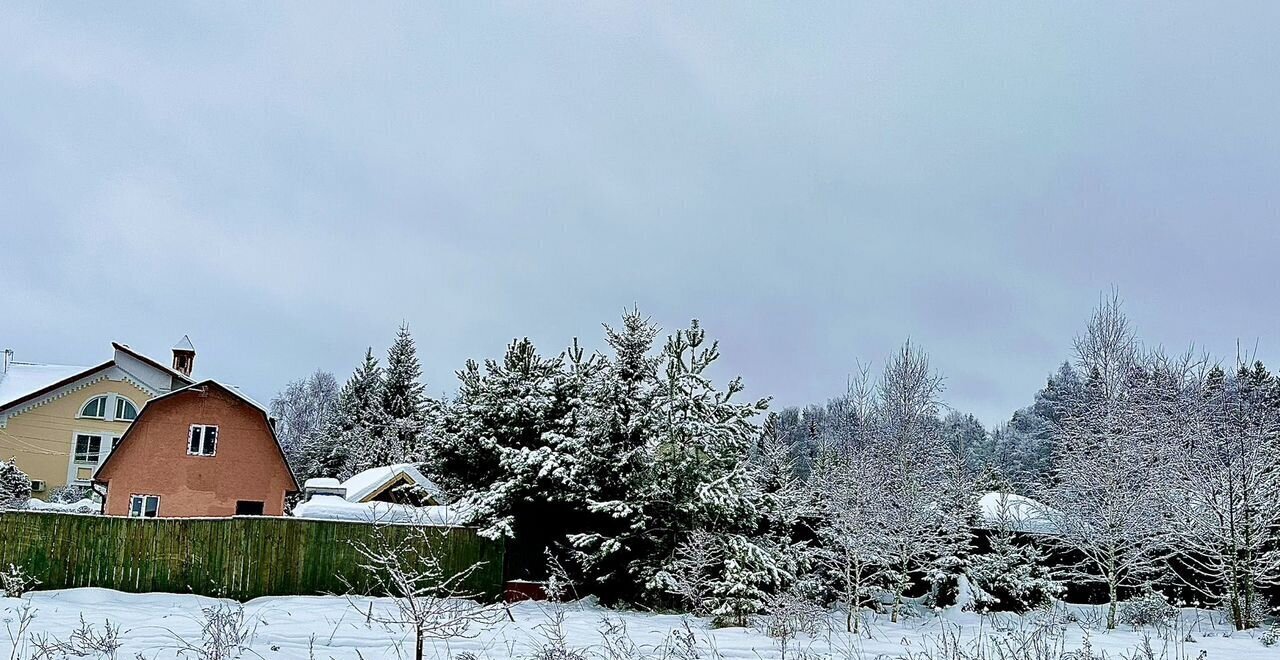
(405, 405)
(303, 411)
(689, 447)
(1024, 446)
(357, 428)
(503, 443)
(1226, 498)
(15, 486)
(1011, 575)
(1107, 498)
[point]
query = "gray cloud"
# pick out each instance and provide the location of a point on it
(816, 182)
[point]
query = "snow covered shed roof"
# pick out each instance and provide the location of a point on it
(372, 482)
(1016, 512)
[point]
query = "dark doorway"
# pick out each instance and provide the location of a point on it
(248, 508)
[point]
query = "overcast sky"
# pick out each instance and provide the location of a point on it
(287, 182)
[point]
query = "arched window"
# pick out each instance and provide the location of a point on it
(125, 410)
(109, 407)
(95, 408)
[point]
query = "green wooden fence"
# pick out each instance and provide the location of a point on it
(239, 558)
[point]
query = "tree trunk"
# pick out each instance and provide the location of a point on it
(417, 653)
(1111, 609)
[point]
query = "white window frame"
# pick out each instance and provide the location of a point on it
(110, 406)
(116, 410)
(75, 450)
(142, 511)
(204, 440)
(106, 405)
(106, 444)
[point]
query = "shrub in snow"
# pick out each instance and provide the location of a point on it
(85, 641)
(1149, 609)
(14, 582)
(15, 486)
(68, 494)
(788, 615)
(1272, 635)
(224, 635)
(726, 576)
(556, 644)
(430, 600)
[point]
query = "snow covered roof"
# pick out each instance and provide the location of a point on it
(124, 348)
(239, 393)
(332, 507)
(1020, 514)
(369, 483)
(24, 378)
(184, 344)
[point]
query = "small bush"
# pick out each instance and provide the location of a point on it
(1271, 636)
(68, 494)
(1148, 609)
(15, 486)
(14, 582)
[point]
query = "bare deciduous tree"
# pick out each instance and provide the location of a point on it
(431, 600)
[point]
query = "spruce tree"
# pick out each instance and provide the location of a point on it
(404, 402)
(359, 423)
(700, 477)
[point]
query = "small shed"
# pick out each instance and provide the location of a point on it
(402, 483)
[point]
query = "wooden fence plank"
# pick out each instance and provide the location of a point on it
(242, 558)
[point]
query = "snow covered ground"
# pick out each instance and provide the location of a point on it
(162, 625)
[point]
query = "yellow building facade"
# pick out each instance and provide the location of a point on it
(59, 423)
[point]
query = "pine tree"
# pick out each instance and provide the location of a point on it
(15, 486)
(614, 449)
(701, 475)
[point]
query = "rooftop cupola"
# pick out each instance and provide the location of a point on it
(184, 356)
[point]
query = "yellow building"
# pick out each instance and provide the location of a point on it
(60, 422)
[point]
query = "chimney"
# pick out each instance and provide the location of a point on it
(8, 357)
(184, 356)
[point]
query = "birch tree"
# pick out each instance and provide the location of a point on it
(1226, 501)
(923, 529)
(1107, 497)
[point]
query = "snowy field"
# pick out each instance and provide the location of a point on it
(170, 626)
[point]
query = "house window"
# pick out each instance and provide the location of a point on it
(248, 508)
(144, 506)
(88, 449)
(125, 410)
(109, 407)
(95, 408)
(203, 440)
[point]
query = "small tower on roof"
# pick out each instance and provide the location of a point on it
(184, 356)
